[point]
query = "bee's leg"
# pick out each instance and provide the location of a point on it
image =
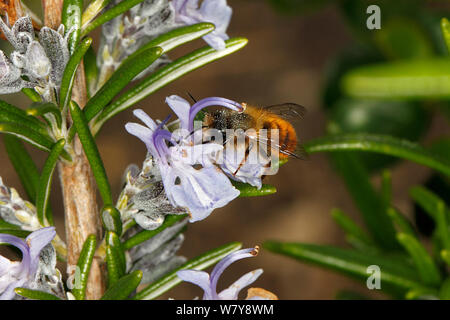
(247, 152)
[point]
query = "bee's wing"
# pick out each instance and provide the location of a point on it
(291, 112)
(298, 153)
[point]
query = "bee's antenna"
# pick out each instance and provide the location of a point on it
(193, 99)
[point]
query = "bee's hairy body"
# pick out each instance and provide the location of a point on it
(255, 118)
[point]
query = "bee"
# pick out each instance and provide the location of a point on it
(283, 117)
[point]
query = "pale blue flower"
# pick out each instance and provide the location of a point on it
(209, 282)
(214, 11)
(15, 274)
(199, 190)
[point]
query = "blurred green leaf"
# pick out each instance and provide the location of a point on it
(413, 79)
(445, 25)
(407, 120)
(351, 229)
(45, 184)
(366, 199)
(394, 275)
(90, 148)
(201, 262)
(23, 164)
(248, 190)
(402, 38)
(379, 144)
(71, 19)
(92, 10)
(437, 210)
(164, 76)
(65, 91)
(122, 289)
(353, 56)
(84, 265)
(428, 271)
(350, 295)
(400, 222)
(113, 12)
(444, 292)
(144, 235)
(35, 294)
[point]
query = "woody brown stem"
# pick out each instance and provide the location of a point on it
(78, 185)
(52, 12)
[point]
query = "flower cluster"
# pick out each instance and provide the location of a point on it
(37, 270)
(15, 210)
(187, 167)
(34, 63)
(124, 34)
(209, 282)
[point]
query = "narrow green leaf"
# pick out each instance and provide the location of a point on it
(379, 144)
(386, 187)
(10, 113)
(350, 227)
(436, 209)
(444, 292)
(122, 289)
(120, 78)
(35, 294)
(71, 19)
(428, 271)
(32, 94)
(45, 183)
(27, 134)
(400, 222)
(23, 164)
(409, 79)
(201, 262)
(111, 219)
(144, 235)
(90, 148)
(366, 199)
(350, 262)
(248, 190)
(115, 258)
(90, 71)
(92, 10)
(65, 92)
(16, 232)
(42, 108)
(84, 266)
(175, 38)
(445, 255)
(445, 25)
(6, 225)
(118, 9)
(165, 75)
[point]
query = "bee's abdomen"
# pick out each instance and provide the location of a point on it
(287, 135)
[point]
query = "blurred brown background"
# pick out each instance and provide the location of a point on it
(283, 62)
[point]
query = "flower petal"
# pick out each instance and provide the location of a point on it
(38, 239)
(232, 292)
(181, 107)
(199, 278)
(200, 191)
